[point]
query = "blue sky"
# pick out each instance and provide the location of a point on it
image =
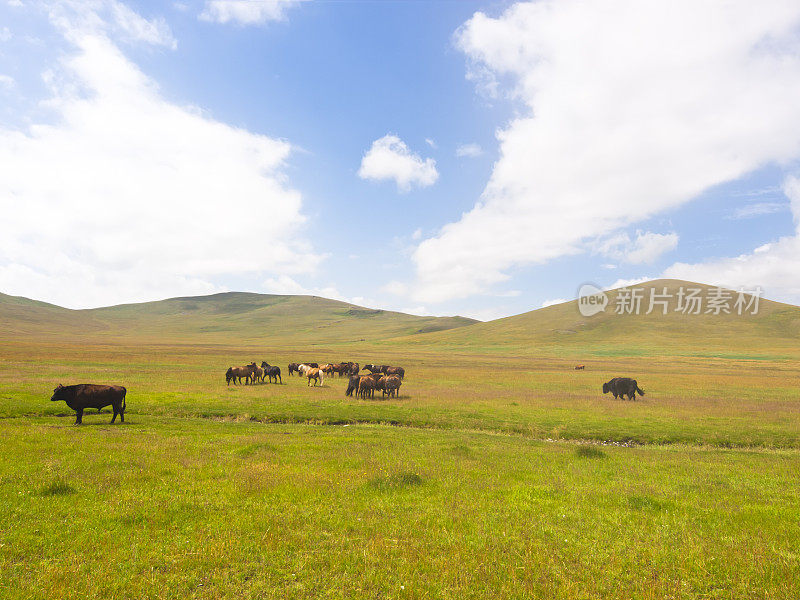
(476, 158)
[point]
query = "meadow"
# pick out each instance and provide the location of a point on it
(498, 472)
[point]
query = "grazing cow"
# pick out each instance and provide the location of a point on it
(89, 395)
(236, 373)
(272, 372)
(391, 385)
(621, 387)
(366, 387)
(580, 367)
(258, 373)
(399, 371)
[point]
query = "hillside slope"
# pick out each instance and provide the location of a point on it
(219, 318)
(775, 326)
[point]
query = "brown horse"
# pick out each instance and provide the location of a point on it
(391, 384)
(258, 373)
(366, 387)
(399, 371)
(236, 373)
(313, 373)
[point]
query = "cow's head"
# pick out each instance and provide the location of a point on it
(58, 393)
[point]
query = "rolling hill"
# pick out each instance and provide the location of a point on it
(775, 326)
(239, 317)
(219, 318)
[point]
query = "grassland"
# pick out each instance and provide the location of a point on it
(499, 472)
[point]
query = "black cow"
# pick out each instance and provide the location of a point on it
(621, 387)
(88, 395)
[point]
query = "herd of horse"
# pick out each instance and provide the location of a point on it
(384, 378)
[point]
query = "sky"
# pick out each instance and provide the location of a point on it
(481, 158)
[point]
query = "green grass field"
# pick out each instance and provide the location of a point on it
(500, 471)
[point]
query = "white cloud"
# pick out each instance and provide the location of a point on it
(7, 82)
(774, 266)
(629, 108)
(285, 285)
(430, 143)
(246, 12)
(646, 248)
(417, 234)
(487, 314)
(109, 17)
(390, 158)
(553, 302)
(620, 283)
(757, 209)
(5, 34)
(127, 197)
(470, 150)
(396, 288)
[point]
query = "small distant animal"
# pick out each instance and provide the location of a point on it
(272, 372)
(313, 373)
(366, 387)
(621, 387)
(258, 373)
(390, 385)
(580, 367)
(236, 373)
(399, 371)
(89, 395)
(352, 385)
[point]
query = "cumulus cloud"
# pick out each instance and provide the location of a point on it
(553, 302)
(285, 285)
(125, 196)
(757, 209)
(390, 158)
(646, 248)
(109, 18)
(469, 150)
(246, 12)
(774, 266)
(628, 108)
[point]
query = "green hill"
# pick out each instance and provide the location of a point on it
(238, 317)
(223, 318)
(775, 326)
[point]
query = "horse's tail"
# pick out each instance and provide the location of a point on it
(636, 385)
(124, 404)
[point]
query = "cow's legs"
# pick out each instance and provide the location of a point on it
(78, 416)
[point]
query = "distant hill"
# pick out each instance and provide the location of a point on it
(226, 317)
(776, 326)
(238, 317)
